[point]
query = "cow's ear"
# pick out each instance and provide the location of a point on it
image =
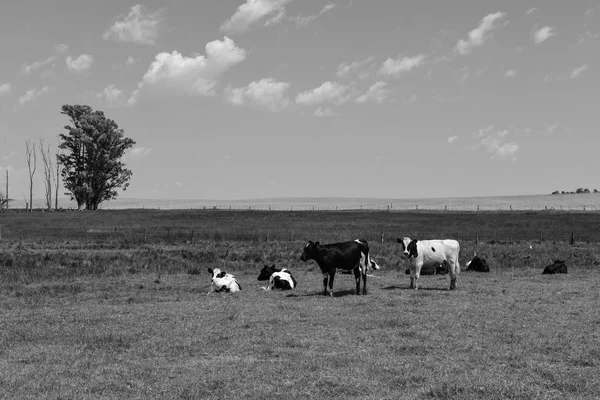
(399, 240)
(317, 243)
(210, 271)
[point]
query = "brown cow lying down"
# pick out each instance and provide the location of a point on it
(559, 267)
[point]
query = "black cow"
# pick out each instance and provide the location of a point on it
(441, 269)
(478, 264)
(348, 256)
(278, 278)
(558, 267)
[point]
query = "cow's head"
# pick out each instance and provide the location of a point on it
(310, 251)
(216, 273)
(266, 272)
(412, 249)
(407, 249)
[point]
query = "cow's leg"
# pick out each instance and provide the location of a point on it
(357, 274)
(325, 281)
(452, 271)
(331, 276)
(417, 274)
(364, 277)
(412, 277)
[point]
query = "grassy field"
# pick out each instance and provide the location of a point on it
(109, 316)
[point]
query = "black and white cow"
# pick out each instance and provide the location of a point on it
(431, 253)
(558, 267)
(478, 264)
(221, 281)
(348, 256)
(278, 278)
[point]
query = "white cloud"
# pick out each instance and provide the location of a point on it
(304, 21)
(477, 36)
(587, 36)
(266, 92)
(61, 47)
(32, 94)
(344, 70)
(251, 12)
(137, 27)
(401, 65)
(328, 93)
(130, 61)
(5, 88)
(180, 75)
(531, 11)
(510, 73)
(552, 128)
(543, 34)
(140, 151)
(494, 141)
(80, 64)
(578, 71)
(452, 139)
(113, 96)
(28, 68)
(377, 93)
(325, 112)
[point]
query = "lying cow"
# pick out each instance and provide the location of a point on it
(431, 253)
(221, 281)
(478, 264)
(348, 256)
(558, 267)
(278, 278)
(441, 269)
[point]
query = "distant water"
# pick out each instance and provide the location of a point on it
(566, 202)
(589, 202)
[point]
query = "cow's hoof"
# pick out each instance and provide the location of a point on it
(331, 294)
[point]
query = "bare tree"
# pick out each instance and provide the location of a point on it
(56, 180)
(32, 165)
(48, 172)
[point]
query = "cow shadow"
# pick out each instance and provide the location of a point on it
(340, 293)
(394, 287)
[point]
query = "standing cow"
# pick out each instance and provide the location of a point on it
(348, 256)
(431, 253)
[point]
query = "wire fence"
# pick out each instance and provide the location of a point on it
(126, 236)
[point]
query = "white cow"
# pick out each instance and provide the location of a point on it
(431, 253)
(221, 281)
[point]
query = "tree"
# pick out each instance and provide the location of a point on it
(31, 159)
(93, 146)
(47, 161)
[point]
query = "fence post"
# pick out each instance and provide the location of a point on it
(476, 238)
(290, 235)
(572, 238)
(192, 236)
(145, 235)
(381, 237)
(541, 236)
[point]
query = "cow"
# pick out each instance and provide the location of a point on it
(441, 269)
(345, 256)
(431, 253)
(221, 281)
(558, 267)
(478, 264)
(278, 278)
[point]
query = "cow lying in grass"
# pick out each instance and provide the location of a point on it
(558, 267)
(431, 253)
(221, 281)
(431, 270)
(278, 278)
(478, 264)
(346, 256)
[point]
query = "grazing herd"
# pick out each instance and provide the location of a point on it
(426, 257)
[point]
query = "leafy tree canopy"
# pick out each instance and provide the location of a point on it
(92, 148)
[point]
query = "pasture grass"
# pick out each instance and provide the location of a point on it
(102, 320)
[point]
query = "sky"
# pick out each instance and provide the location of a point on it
(236, 99)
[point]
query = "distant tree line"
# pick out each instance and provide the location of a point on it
(578, 191)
